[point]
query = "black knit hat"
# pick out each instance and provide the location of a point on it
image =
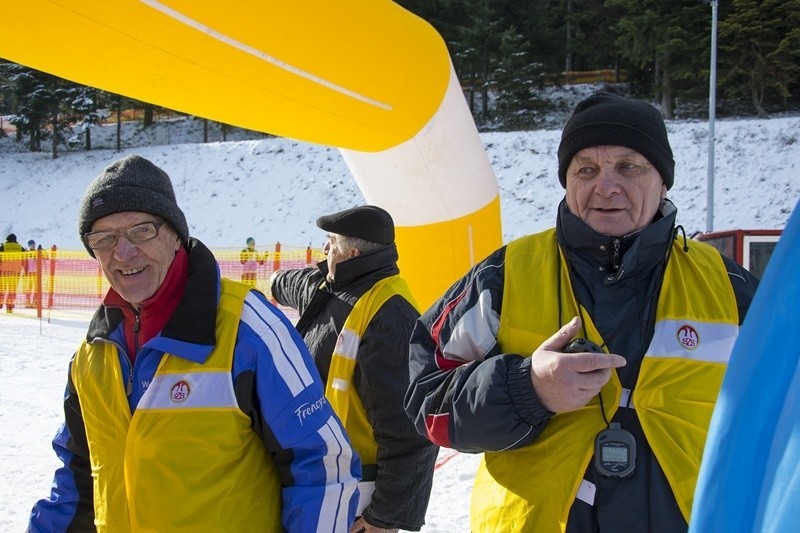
(367, 222)
(131, 184)
(607, 119)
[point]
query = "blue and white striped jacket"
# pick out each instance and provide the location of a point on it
(312, 468)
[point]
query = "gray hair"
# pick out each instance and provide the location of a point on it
(364, 246)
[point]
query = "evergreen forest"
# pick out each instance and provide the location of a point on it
(508, 53)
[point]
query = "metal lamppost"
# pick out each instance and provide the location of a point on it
(712, 108)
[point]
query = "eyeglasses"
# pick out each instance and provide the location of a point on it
(102, 240)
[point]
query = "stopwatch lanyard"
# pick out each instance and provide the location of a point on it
(615, 447)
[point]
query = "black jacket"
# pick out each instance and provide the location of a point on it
(491, 400)
(405, 459)
(624, 313)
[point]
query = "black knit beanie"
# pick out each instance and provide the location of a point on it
(607, 119)
(131, 184)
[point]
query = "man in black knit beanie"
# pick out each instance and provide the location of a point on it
(192, 403)
(608, 119)
(605, 433)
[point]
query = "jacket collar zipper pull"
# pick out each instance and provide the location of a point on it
(616, 264)
(616, 259)
(136, 327)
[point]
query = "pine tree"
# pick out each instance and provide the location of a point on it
(513, 80)
(759, 44)
(34, 95)
(592, 45)
(786, 55)
(666, 38)
(476, 49)
(87, 103)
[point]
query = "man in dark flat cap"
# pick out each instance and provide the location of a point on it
(356, 316)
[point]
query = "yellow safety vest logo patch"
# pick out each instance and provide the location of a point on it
(688, 337)
(180, 391)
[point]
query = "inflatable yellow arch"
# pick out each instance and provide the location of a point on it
(367, 77)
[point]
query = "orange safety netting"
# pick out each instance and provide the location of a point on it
(69, 279)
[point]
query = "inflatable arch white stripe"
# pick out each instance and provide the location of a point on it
(442, 193)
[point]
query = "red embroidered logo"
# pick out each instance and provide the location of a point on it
(688, 337)
(180, 391)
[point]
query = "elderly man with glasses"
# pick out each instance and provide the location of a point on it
(193, 403)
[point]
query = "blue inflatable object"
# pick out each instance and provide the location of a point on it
(749, 480)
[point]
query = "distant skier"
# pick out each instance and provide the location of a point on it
(250, 259)
(10, 270)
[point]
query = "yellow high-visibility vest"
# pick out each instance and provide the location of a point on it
(532, 489)
(339, 388)
(188, 459)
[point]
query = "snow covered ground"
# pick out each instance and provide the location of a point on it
(33, 369)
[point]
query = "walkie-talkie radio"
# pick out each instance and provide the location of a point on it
(582, 345)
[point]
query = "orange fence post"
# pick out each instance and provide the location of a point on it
(276, 263)
(308, 255)
(39, 265)
(52, 286)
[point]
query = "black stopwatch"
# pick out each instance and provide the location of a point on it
(615, 452)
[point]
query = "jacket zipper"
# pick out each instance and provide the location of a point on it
(615, 261)
(136, 327)
(121, 349)
(616, 265)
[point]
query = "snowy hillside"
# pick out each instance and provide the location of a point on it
(273, 189)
